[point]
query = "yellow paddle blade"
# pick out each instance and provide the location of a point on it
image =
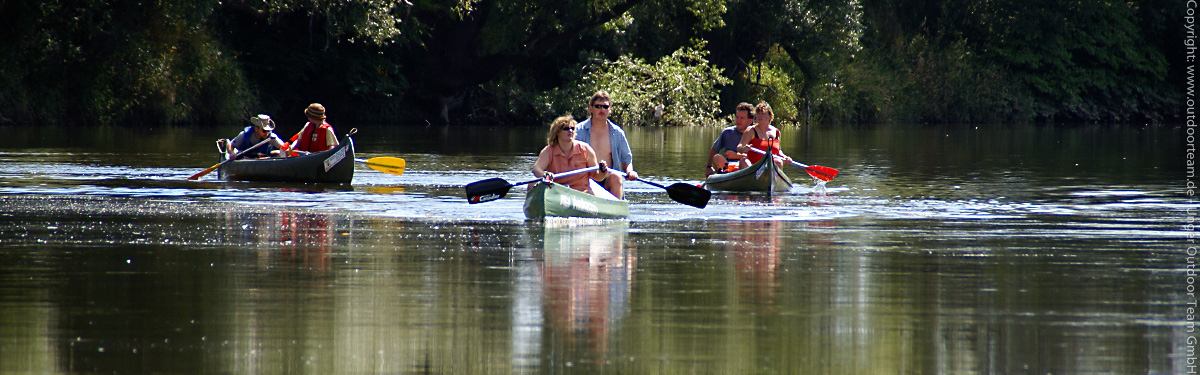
(387, 165)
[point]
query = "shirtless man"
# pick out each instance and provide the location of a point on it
(609, 142)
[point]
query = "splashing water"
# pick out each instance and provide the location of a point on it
(819, 188)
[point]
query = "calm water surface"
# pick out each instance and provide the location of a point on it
(938, 250)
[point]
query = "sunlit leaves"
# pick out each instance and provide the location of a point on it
(680, 89)
(374, 21)
(709, 12)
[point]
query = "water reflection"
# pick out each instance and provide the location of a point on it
(754, 247)
(987, 251)
(307, 239)
(579, 296)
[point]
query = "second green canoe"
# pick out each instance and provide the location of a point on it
(761, 177)
(554, 199)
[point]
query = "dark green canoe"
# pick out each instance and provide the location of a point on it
(761, 176)
(334, 166)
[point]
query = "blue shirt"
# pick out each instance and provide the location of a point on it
(727, 141)
(249, 137)
(621, 154)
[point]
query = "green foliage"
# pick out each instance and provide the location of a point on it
(1080, 60)
(964, 61)
(915, 81)
(213, 61)
(377, 22)
(782, 51)
(681, 86)
(776, 80)
(112, 62)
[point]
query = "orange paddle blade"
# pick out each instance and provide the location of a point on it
(821, 173)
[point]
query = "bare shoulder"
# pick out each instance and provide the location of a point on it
(747, 136)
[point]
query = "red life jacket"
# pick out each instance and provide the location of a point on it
(771, 146)
(313, 140)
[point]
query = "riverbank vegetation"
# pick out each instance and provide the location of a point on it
(667, 62)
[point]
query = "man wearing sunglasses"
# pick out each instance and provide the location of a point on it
(608, 140)
(261, 128)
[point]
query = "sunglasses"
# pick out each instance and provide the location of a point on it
(569, 128)
(601, 106)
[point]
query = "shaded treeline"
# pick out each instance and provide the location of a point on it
(524, 61)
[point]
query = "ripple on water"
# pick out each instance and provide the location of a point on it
(437, 195)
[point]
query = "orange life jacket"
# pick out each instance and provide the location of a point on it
(313, 139)
(771, 146)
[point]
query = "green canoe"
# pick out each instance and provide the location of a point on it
(554, 199)
(761, 176)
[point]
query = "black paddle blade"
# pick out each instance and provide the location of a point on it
(690, 195)
(487, 190)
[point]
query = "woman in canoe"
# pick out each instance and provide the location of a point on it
(563, 153)
(762, 136)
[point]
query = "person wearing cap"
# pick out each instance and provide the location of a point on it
(261, 128)
(316, 135)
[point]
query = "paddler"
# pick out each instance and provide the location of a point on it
(609, 142)
(762, 136)
(317, 134)
(261, 128)
(563, 153)
(725, 149)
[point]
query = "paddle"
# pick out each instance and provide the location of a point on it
(218, 165)
(690, 195)
(816, 171)
(385, 164)
(495, 188)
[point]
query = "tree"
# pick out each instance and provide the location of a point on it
(464, 46)
(679, 89)
(817, 36)
(115, 61)
(1082, 60)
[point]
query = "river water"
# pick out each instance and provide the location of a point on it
(999, 249)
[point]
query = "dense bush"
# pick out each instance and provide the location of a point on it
(679, 89)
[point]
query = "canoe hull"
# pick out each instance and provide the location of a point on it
(557, 200)
(334, 166)
(763, 176)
